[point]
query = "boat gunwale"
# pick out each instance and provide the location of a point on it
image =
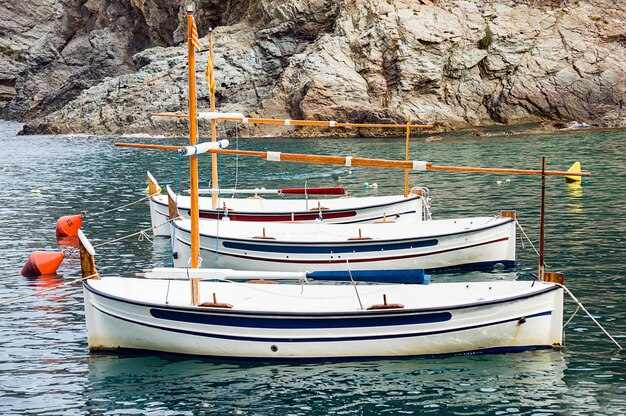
(505, 221)
(313, 315)
(409, 198)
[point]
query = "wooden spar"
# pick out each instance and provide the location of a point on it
(320, 123)
(214, 179)
(364, 162)
(193, 160)
(148, 146)
(175, 115)
(500, 170)
(406, 171)
(311, 123)
(541, 217)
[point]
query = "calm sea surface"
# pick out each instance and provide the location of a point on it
(46, 368)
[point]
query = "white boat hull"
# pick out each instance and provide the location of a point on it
(322, 321)
(334, 210)
(472, 243)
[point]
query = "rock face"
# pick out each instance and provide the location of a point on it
(21, 25)
(102, 66)
(71, 45)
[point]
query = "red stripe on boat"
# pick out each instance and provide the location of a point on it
(314, 191)
(278, 217)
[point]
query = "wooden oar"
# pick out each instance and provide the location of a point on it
(359, 161)
(289, 122)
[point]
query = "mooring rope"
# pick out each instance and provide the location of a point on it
(581, 306)
(528, 239)
(95, 214)
(71, 282)
(236, 157)
(141, 233)
(173, 236)
(219, 199)
(571, 317)
(354, 284)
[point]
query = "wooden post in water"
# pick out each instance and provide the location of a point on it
(542, 217)
(193, 160)
(87, 257)
(406, 171)
(214, 179)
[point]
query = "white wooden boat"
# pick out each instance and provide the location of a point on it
(414, 207)
(466, 243)
(317, 321)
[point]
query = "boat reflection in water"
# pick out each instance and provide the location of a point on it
(471, 383)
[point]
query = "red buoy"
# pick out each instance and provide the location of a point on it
(68, 225)
(42, 262)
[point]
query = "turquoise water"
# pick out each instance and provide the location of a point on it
(46, 368)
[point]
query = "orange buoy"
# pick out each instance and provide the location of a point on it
(68, 225)
(42, 262)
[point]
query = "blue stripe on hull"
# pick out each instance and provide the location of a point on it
(378, 258)
(322, 339)
(362, 247)
(317, 322)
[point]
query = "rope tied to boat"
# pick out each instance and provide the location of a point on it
(581, 306)
(528, 239)
(176, 182)
(354, 284)
(85, 214)
(49, 289)
(141, 233)
(572, 317)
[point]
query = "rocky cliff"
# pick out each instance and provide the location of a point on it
(102, 66)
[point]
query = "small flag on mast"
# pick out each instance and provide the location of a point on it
(208, 73)
(195, 41)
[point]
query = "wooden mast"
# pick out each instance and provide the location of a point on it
(541, 217)
(193, 162)
(406, 171)
(214, 179)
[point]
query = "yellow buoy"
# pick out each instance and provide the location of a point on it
(575, 168)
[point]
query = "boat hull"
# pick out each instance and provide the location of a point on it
(478, 243)
(530, 318)
(333, 210)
